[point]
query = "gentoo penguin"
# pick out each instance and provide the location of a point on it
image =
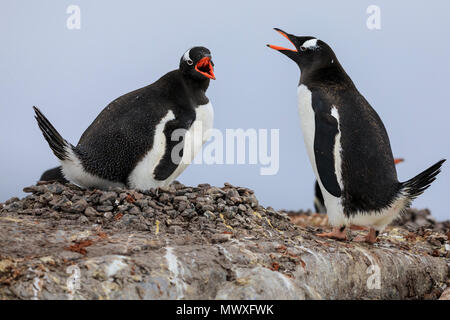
(319, 204)
(144, 138)
(348, 145)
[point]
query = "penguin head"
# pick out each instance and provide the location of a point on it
(309, 53)
(196, 63)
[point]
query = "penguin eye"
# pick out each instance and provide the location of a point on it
(189, 62)
(302, 48)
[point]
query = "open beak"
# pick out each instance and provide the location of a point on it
(278, 48)
(204, 66)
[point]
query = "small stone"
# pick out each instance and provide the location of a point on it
(135, 210)
(190, 195)
(229, 213)
(108, 196)
(124, 207)
(123, 196)
(172, 213)
(30, 189)
(232, 193)
(188, 213)
(108, 215)
(207, 207)
(55, 188)
(46, 197)
(38, 205)
(180, 198)
(80, 206)
(164, 198)
(220, 238)
(235, 199)
(105, 208)
(83, 220)
(183, 205)
(90, 212)
(141, 203)
(154, 205)
(137, 195)
(149, 213)
(209, 215)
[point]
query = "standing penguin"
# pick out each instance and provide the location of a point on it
(144, 138)
(348, 145)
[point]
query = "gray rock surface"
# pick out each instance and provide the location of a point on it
(202, 242)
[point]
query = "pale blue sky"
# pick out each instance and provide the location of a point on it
(71, 75)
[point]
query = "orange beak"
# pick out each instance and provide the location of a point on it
(398, 160)
(282, 48)
(205, 67)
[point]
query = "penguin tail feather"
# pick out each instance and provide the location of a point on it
(57, 143)
(416, 186)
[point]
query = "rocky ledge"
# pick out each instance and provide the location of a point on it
(204, 242)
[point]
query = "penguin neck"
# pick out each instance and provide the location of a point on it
(197, 88)
(331, 74)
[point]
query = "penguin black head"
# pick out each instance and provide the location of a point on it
(310, 53)
(196, 63)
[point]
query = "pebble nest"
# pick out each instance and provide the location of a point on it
(173, 209)
(206, 213)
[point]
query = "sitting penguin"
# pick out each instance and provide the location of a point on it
(145, 138)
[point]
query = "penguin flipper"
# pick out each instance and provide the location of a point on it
(326, 130)
(172, 157)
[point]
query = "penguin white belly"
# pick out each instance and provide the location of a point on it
(333, 204)
(379, 219)
(142, 176)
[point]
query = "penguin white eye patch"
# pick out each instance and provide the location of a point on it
(310, 44)
(187, 57)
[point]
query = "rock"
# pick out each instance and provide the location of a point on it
(91, 212)
(220, 238)
(445, 295)
(80, 206)
(135, 210)
(180, 198)
(83, 220)
(204, 242)
(104, 208)
(142, 203)
(108, 215)
(108, 196)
